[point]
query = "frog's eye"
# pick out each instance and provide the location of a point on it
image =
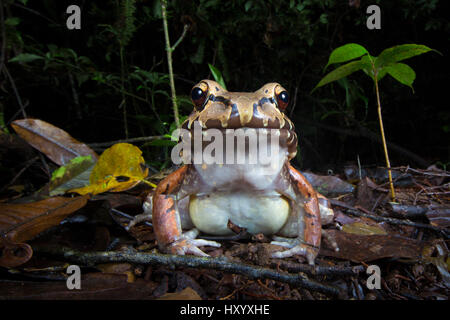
(283, 100)
(198, 97)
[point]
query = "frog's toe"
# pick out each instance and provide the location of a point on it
(300, 249)
(139, 219)
(190, 246)
(203, 242)
(297, 250)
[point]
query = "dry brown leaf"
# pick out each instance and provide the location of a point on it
(328, 185)
(54, 142)
(360, 248)
(23, 221)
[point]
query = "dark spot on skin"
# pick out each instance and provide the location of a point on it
(266, 91)
(167, 188)
(217, 89)
(255, 109)
(219, 99)
(234, 110)
(168, 210)
(266, 100)
(309, 215)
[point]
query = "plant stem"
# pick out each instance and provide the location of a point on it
(122, 86)
(380, 118)
(169, 50)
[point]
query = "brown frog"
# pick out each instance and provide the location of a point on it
(202, 197)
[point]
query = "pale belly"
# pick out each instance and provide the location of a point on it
(266, 213)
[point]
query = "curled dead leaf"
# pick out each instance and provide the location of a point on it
(14, 254)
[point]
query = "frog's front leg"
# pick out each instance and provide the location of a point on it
(309, 225)
(167, 222)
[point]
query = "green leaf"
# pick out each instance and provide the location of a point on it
(25, 57)
(340, 72)
(13, 21)
(73, 175)
(345, 53)
(248, 5)
(399, 53)
(402, 73)
(217, 75)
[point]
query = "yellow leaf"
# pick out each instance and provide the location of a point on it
(119, 168)
(363, 229)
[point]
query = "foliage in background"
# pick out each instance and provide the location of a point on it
(109, 80)
(376, 68)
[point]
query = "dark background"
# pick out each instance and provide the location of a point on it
(83, 78)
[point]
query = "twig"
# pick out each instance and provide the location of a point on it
(354, 211)
(185, 29)
(75, 96)
(36, 13)
(425, 172)
(27, 165)
(13, 85)
(221, 264)
(169, 51)
(127, 216)
(131, 140)
(398, 221)
(318, 270)
(2, 25)
(46, 167)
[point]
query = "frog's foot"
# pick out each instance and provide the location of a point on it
(143, 217)
(187, 244)
(330, 239)
(295, 247)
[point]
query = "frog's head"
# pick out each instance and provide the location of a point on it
(215, 107)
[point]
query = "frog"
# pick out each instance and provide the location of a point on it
(200, 198)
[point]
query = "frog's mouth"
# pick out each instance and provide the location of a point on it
(285, 137)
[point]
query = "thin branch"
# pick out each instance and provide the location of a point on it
(2, 25)
(355, 212)
(221, 264)
(16, 92)
(318, 270)
(36, 13)
(185, 29)
(131, 140)
(169, 62)
(27, 165)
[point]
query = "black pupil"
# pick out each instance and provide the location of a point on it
(197, 93)
(284, 97)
